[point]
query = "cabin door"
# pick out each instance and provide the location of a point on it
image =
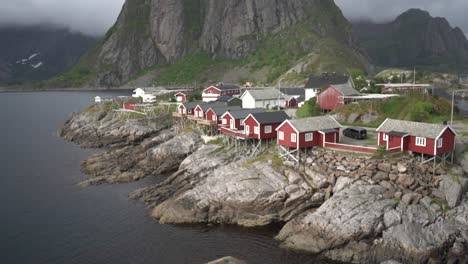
(232, 124)
(247, 130)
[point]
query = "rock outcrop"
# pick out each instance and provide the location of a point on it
(98, 126)
(210, 188)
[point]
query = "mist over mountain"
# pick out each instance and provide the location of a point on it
(31, 53)
(414, 38)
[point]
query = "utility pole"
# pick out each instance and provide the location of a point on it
(453, 106)
(279, 94)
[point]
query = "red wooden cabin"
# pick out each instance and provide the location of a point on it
(308, 132)
(181, 97)
(291, 102)
(201, 108)
(212, 93)
(186, 108)
(422, 138)
(235, 119)
(215, 113)
(263, 125)
(335, 96)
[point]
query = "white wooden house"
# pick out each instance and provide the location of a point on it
(148, 95)
(266, 98)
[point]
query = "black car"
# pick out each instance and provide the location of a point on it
(355, 132)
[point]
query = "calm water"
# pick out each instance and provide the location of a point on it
(47, 218)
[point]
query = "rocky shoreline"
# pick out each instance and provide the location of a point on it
(349, 208)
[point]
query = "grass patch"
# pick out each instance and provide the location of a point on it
(218, 141)
(309, 109)
(189, 70)
(277, 162)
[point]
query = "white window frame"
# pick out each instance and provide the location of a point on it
(309, 137)
(224, 121)
(385, 137)
(281, 135)
(293, 138)
(420, 141)
(256, 130)
(440, 143)
(268, 129)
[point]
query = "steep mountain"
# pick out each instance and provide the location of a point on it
(414, 38)
(38, 52)
(181, 41)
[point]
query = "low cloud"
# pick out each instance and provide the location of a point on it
(384, 10)
(92, 17)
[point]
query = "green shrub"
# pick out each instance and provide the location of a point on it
(309, 109)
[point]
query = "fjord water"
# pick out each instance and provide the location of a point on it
(47, 218)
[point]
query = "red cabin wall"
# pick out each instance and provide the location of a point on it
(131, 107)
(250, 121)
(448, 143)
(394, 142)
(381, 141)
(230, 92)
(287, 130)
(197, 110)
(180, 109)
(329, 99)
(428, 149)
(270, 135)
(309, 144)
(209, 115)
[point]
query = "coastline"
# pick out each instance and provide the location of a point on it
(363, 209)
(84, 89)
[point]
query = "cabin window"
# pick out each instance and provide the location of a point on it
(440, 142)
(224, 121)
(214, 117)
(256, 130)
(281, 135)
(309, 137)
(385, 137)
(293, 138)
(420, 141)
(267, 129)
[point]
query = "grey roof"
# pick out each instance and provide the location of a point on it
(207, 105)
(151, 89)
(270, 117)
(293, 91)
(226, 98)
(317, 123)
(346, 89)
(326, 79)
(241, 114)
(190, 105)
(416, 129)
(224, 109)
(266, 94)
(397, 134)
(227, 87)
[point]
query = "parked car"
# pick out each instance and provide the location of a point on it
(355, 132)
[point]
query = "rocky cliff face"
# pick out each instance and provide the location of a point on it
(157, 32)
(414, 38)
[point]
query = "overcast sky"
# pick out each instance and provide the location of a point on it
(88, 16)
(96, 16)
